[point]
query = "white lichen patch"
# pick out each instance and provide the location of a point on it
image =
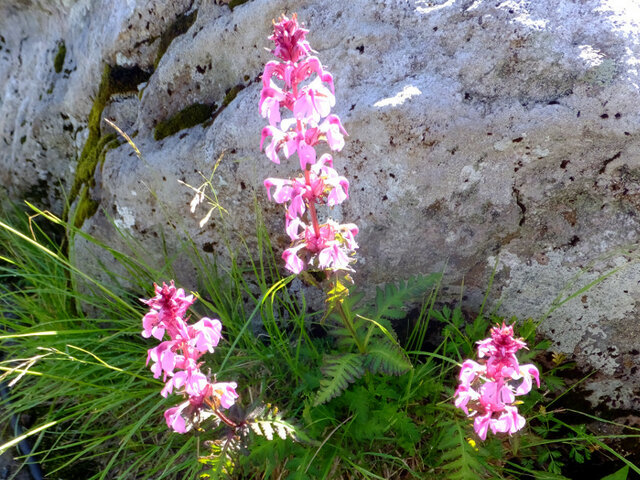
(612, 392)
(399, 98)
(126, 218)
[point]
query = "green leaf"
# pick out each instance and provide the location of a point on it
(339, 371)
(390, 300)
(383, 356)
(459, 455)
(407, 433)
(619, 475)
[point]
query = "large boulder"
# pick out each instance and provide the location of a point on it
(487, 138)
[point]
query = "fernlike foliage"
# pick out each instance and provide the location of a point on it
(372, 336)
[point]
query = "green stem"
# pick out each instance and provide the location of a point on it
(346, 320)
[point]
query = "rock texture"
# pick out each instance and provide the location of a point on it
(482, 134)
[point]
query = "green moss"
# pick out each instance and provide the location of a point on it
(177, 28)
(23, 139)
(235, 3)
(189, 117)
(85, 208)
(58, 60)
(232, 94)
(93, 146)
(96, 144)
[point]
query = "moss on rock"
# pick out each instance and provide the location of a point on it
(85, 208)
(232, 93)
(191, 116)
(235, 3)
(113, 80)
(58, 60)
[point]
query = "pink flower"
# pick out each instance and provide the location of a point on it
(469, 372)
(289, 38)
(334, 257)
(314, 102)
(488, 390)
(270, 100)
(293, 263)
(527, 373)
(333, 132)
(163, 359)
(206, 334)
(174, 418)
(300, 84)
(481, 425)
(152, 326)
(510, 421)
(192, 379)
(225, 392)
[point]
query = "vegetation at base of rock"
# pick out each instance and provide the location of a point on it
(58, 60)
(179, 27)
(396, 423)
(190, 116)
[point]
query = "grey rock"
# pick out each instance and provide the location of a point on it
(480, 132)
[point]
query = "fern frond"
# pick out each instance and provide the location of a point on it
(268, 421)
(384, 356)
(220, 460)
(391, 299)
(460, 460)
(339, 371)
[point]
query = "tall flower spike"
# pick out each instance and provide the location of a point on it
(300, 84)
